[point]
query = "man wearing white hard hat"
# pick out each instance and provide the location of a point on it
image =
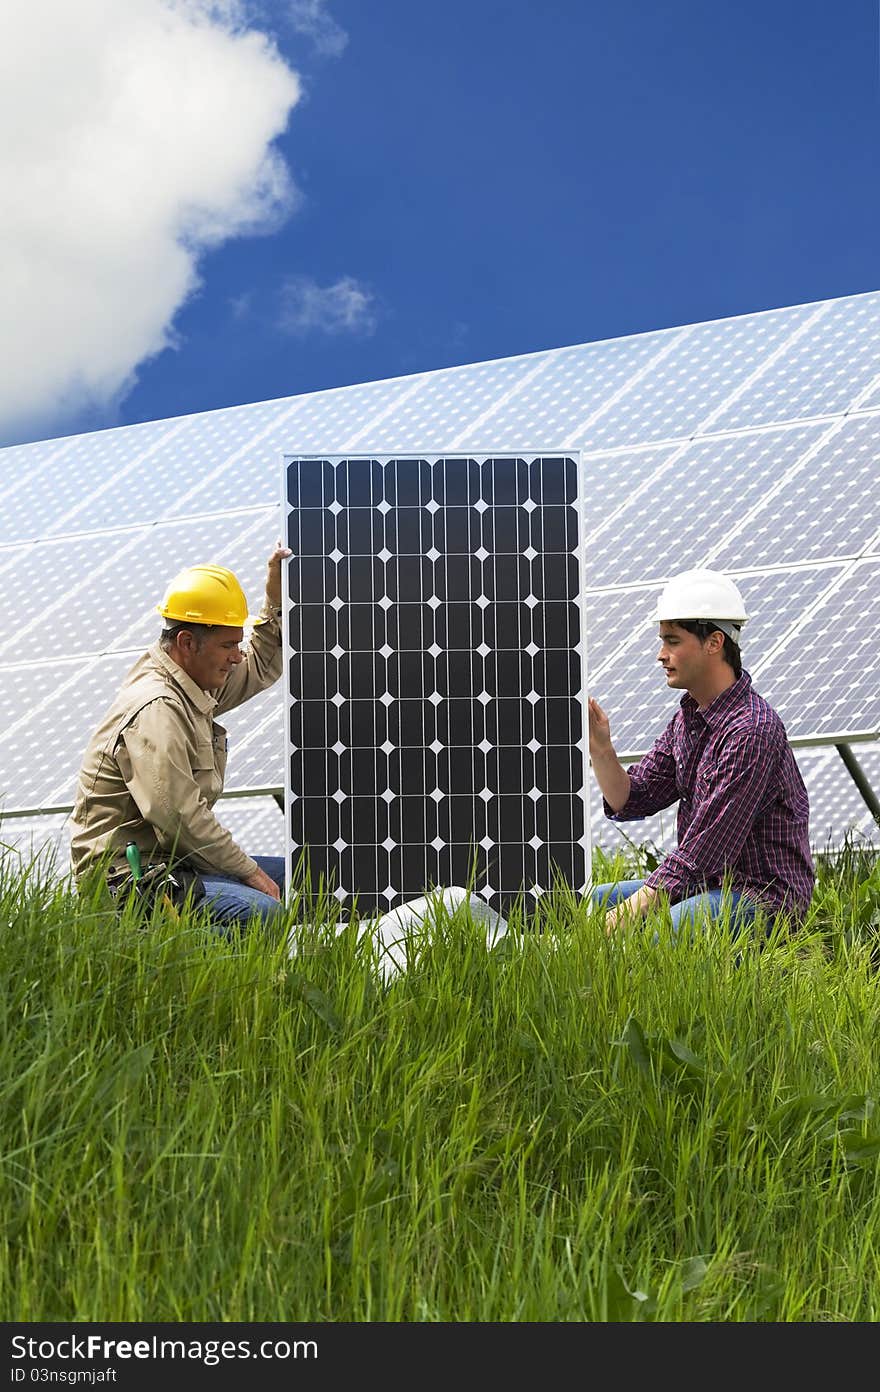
(743, 813)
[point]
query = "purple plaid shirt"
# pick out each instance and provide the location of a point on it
(743, 808)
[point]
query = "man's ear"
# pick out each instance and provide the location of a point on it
(716, 639)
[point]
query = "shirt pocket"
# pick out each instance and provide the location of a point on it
(205, 771)
(705, 781)
(219, 747)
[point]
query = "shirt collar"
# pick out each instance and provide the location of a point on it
(202, 700)
(716, 710)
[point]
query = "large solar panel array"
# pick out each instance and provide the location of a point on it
(436, 675)
(749, 444)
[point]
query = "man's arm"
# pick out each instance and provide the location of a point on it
(631, 909)
(651, 788)
(263, 658)
(611, 776)
(650, 784)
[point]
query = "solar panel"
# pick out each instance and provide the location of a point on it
(41, 750)
(688, 508)
(746, 444)
(825, 506)
(818, 373)
(826, 671)
(435, 731)
(704, 365)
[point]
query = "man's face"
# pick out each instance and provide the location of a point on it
(210, 664)
(684, 659)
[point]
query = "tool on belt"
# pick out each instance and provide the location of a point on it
(159, 882)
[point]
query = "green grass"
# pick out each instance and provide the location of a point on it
(560, 1129)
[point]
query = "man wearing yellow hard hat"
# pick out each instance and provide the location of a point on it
(743, 811)
(155, 766)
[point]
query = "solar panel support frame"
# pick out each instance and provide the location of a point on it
(861, 780)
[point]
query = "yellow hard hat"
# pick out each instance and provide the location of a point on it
(205, 594)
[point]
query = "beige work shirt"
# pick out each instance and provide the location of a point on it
(155, 766)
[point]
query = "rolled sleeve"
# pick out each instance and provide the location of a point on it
(652, 783)
(262, 663)
(155, 759)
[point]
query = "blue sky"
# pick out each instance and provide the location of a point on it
(430, 184)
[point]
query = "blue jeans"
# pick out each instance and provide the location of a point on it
(686, 912)
(230, 903)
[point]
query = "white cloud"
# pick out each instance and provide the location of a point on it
(309, 17)
(136, 135)
(344, 307)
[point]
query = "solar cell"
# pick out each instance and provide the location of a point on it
(256, 743)
(444, 403)
(67, 495)
(20, 465)
(837, 810)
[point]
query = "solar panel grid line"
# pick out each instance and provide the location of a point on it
(799, 466)
(821, 375)
(540, 366)
(704, 428)
(862, 399)
(261, 515)
(355, 442)
(806, 617)
(769, 427)
(29, 476)
(677, 336)
(664, 467)
(137, 539)
(206, 514)
(297, 403)
(113, 478)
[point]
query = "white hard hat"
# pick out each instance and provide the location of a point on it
(703, 594)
